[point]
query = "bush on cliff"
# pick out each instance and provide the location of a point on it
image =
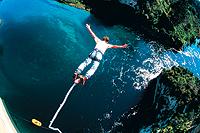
(170, 22)
(170, 105)
(177, 106)
(176, 18)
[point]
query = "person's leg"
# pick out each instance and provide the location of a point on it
(92, 69)
(83, 65)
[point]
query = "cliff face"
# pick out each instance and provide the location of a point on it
(170, 22)
(171, 104)
(176, 18)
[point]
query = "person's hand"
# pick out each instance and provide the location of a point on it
(88, 26)
(125, 46)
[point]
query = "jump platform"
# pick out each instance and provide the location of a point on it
(6, 123)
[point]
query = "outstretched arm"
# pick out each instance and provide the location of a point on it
(118, 46)
(92, 33)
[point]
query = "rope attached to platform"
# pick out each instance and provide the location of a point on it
(61, 105)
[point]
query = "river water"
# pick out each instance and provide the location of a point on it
(42, 42)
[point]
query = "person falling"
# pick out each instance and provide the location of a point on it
(95, 56)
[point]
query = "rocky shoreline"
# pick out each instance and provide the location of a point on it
(178, 20)
(173, 23)
(75, 3)
(170, 104)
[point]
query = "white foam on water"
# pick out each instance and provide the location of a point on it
(165, 59)
(152, 67)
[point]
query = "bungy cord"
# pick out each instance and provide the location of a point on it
(61, 105)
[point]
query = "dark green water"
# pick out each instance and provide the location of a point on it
(41, 44)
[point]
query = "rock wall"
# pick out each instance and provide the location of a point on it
(171, 104)
(170, 22)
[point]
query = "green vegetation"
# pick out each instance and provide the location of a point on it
(185, 115)
(181, 123)
(170, 104)
(185, 85)
(176, 18)
(75, 3)
(172, 23)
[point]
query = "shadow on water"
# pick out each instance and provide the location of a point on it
(33, 62)
(35, 53)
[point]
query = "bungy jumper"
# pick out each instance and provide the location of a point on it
(95, 56)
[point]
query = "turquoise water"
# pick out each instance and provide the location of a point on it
(41, 44)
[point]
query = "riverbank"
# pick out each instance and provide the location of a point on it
(75, 3)
(170, 104)
(6, 124)
(172, 23)
(178, 20)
